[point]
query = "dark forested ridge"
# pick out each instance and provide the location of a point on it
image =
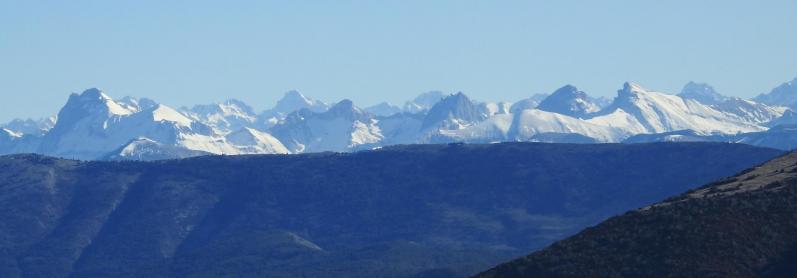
(743, 226)
(405, 211)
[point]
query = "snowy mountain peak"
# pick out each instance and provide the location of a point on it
(226, 116)
(658, 112)
(136, 104)
(294, 100)
(569, 101)
(93, 101)
(631, 87)
(30, 126)
(238, 105)
(345, 109)
(93, 93)
(702, 93)
(162, 112)
(749, 110)
(251, 141)
(296, 96)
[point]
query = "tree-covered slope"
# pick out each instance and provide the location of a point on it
(743, 226)
(427, 211)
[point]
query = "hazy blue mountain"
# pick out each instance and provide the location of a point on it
(789, 117)
(782, 137)
(702, 93)
(396, 212)
(424, 102)
(529, 103)
(383, 109)
(30, 126)
(783, 95)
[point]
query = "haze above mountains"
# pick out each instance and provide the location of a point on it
(92, 125)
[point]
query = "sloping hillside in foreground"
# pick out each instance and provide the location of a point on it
(743, 226)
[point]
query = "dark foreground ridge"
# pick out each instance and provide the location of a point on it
(405, 211)
(744, 226)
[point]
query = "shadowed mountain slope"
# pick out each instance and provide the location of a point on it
(404, 211)
(743, 226)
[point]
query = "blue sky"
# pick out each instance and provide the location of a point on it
(191, 52)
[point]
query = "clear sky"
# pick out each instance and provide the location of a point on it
(191, 52)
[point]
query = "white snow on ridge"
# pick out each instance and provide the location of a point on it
(659, 112)
(533, 121)
(252, 141)
(165, 113)
(92, 125)
(11, 133)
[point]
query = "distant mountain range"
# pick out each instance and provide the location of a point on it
(741, 226)
(92, 125)
(443, 210)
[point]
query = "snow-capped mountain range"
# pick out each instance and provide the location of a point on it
(92, 125)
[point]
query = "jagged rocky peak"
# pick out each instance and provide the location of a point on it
(30, 126)
(568, 100)
(703, 93)
(294, 100)
(629, 92)
(345, 108)
(456, 109)
(93, 101)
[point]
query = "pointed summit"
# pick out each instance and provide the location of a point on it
(783, 95)
(703, 93)
(345, 109)
(452, 112)
(93, 93)
(294, 100)
(569, 101)
(633, 87)
(93, 101)
(657, 112)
